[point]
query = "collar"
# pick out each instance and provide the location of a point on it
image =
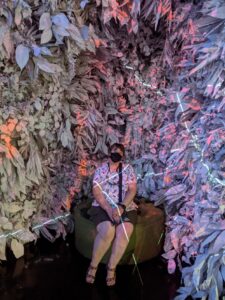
(117, 169)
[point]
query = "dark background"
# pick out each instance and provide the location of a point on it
(54, 271)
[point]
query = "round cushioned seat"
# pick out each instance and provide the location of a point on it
(146, 240)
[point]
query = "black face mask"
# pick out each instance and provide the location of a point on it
(115, 157)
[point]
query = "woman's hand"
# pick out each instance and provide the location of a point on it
(117, 213)
(109, 211)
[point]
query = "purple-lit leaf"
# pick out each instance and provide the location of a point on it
(61, 20)
(83, 3)
(36, 50)
(205, 62)
(59, 30)
(218, 12)
(85, 32)
(22, 56)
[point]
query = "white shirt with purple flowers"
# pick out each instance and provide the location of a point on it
(109, 183)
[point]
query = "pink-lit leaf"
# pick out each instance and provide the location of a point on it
(158, 14)
(171, 266)
(218, 12)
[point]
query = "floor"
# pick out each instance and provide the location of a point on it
(57, 271)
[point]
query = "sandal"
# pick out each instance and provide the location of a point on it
(91, 278)
(111, 281)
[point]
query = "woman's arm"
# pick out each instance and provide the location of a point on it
(132, 187)
(100, 198)
(130, 194)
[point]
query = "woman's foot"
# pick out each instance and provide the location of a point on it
(111, 276)
(90, 276)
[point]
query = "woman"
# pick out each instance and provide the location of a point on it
(114, 220)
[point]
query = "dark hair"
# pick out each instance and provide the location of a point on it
(117, 145)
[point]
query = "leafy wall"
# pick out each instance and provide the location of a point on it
(65, 66)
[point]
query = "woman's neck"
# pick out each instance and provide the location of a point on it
(113, 165)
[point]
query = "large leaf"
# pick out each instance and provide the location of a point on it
(61, 20)
(45, 22)
(8, 44)
(76, 36)
(22, 55)
(85, 32)
(83, 3)
(2, 248)
(218, 244)
(218, 12)
(46, 66)
(59, 30)
(17, 248)
(205, 62)
(46, 36)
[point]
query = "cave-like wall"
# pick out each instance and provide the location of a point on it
(65, 66)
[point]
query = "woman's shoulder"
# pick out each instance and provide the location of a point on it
(102, 166)
(127, 164)
(127, 167)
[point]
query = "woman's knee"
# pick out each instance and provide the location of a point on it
(106, 230)
(124, 231)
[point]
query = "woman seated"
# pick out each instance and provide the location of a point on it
(113, 211)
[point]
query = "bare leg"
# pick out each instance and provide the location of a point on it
(103, 240)
(123, 234)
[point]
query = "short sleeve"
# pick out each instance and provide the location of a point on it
(131, 175)
(97, 177)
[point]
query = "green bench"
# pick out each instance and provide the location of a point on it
(145, 243)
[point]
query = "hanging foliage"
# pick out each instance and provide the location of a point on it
(77, 76)
(39, 46)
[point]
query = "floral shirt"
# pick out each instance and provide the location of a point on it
(109, 183)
